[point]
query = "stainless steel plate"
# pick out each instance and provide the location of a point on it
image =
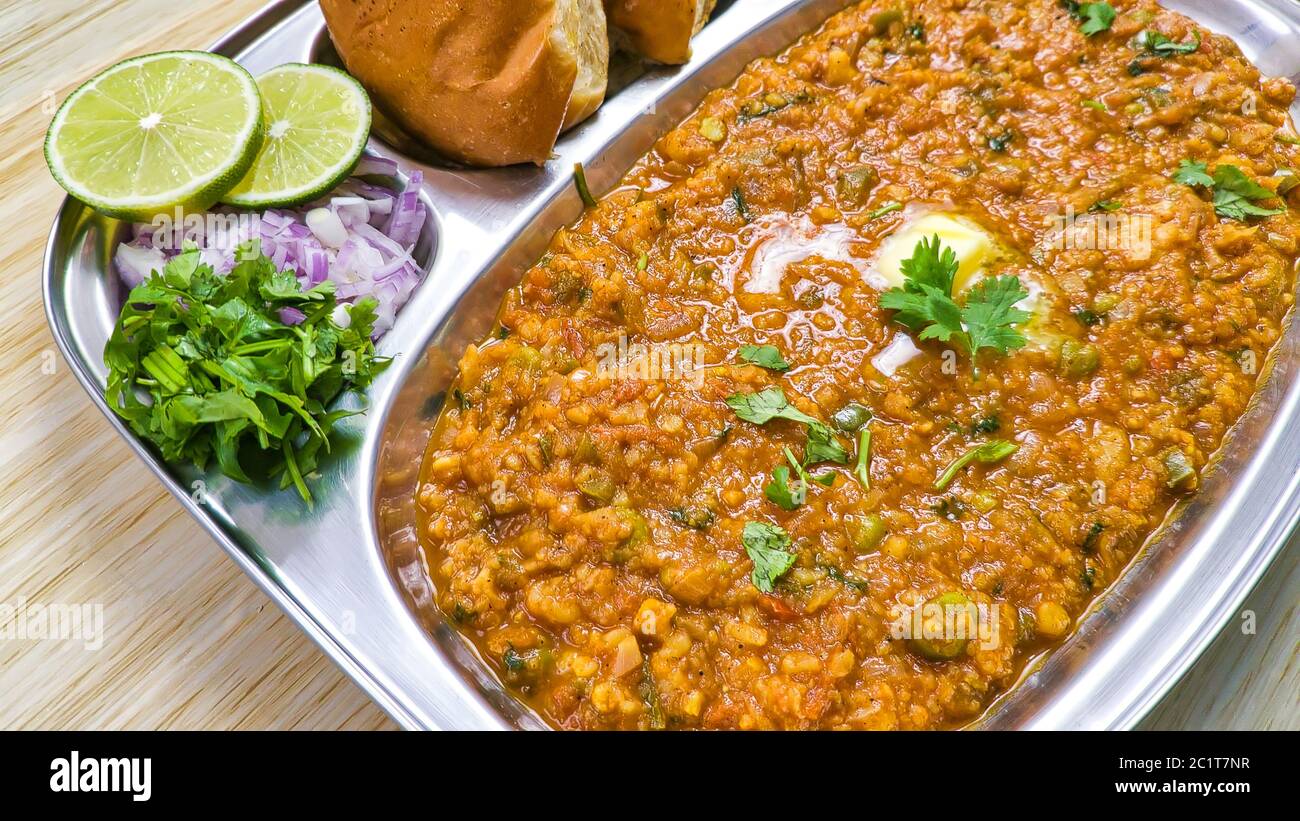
(349, 573)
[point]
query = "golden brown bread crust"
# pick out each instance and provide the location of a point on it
(483, 82)
(660, 30)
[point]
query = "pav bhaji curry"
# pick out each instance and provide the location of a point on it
(873, 374)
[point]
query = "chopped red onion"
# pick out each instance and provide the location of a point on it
(362, 236)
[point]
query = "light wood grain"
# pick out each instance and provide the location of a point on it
(189, 642)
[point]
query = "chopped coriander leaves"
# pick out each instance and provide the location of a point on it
(764, 406)
(823, 446)
(990, 314)
(226, 376)
(988, 453)
(925, 303)
(789, 495)
(1153, 42)
(1094, 18)
(764, 356)
(782, 492)
(768, 547)
(1192, 172)
(1106, 206)
(1234, 193)
(932, 265)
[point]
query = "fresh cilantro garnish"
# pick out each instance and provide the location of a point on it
(1192, 172)
(823, 446)
(1234, 192)
(988, 453)
(1153, 42)
(764, 406)
(1095, 17)
(226, 377)
(768, 548)
(863, 468)
(764, 356)
(790, 495)
(1106, 206)
(925, 303)
(781, 491)
(931, 265)
(990, 314)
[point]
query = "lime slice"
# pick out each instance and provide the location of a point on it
(317, 124)
(179, 128)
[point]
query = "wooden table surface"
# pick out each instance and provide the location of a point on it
(189, 642)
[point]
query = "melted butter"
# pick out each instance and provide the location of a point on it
(900, 350)
(977, 250)
(773, 245)
(779, 244)
(974, 248)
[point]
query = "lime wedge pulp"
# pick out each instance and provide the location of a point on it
(317, 125)
(179, 128)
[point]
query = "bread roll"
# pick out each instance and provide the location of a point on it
(485, 82)
(659, 30)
